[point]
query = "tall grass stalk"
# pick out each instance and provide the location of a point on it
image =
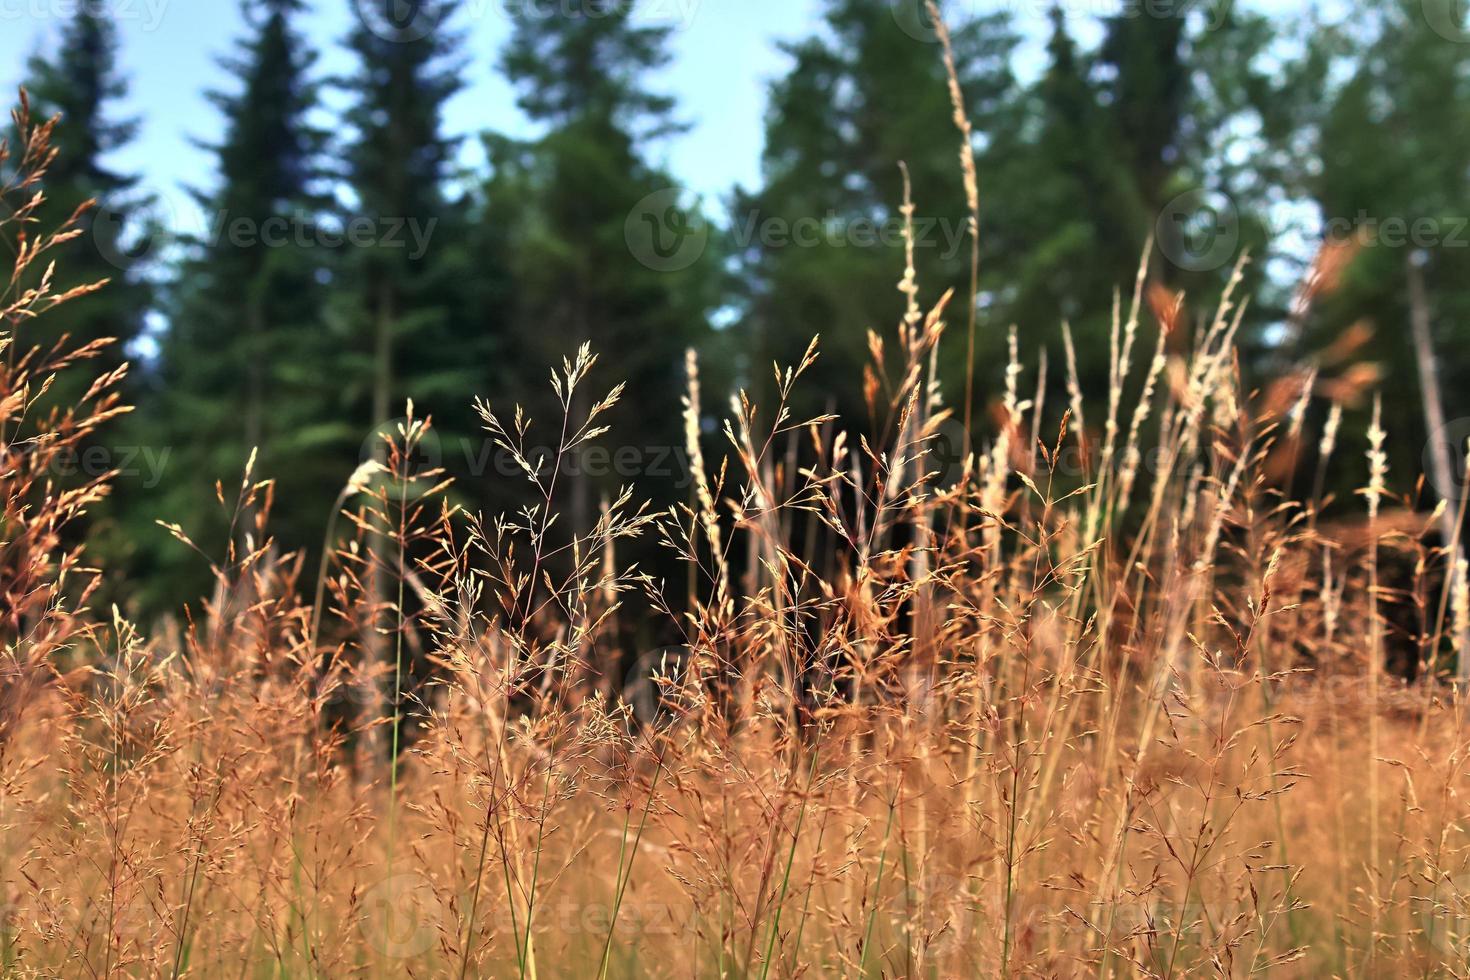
(1126, 718)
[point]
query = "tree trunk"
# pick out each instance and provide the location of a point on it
(375, 643)
(1441, 465)
(580, 405)
(255, 395)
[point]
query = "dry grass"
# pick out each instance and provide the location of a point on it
(991, 718)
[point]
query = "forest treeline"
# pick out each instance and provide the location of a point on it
(345, 270)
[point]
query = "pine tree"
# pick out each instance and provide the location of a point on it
(1079, 241)
(82, 84)
(862, 96)
(402, 297)
(1140, 140)
(1181, 84)
(1148, 93)
(591, 263)
(244, 364)
(1391, 175)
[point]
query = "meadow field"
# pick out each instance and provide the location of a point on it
(1101, 697)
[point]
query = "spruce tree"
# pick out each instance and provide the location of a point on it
(819, 241)
(1138, 140)
(1390, 173)
(81, 82)
(245, 362)
(1181, 83)
(599, 258)
(402, 297)
(1079, 241)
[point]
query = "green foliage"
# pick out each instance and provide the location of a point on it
(1208, 129)
(244, 363)
(402, 302)
(572, 206)
(81, 83)
(1394, 174)
(1162, 135)
(819, 243)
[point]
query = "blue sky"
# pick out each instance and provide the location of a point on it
(724, 57)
